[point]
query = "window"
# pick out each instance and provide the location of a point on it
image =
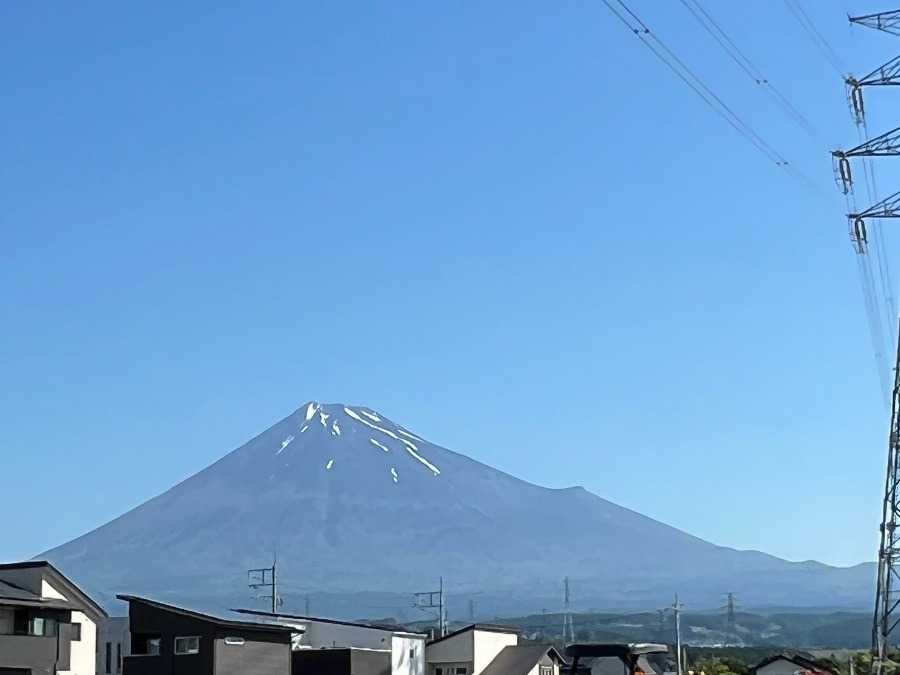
(108, 658)
(76, 632)
(187, 645)
(118, 657)
(43, 626)
(145, 644)
(234, 641)
(546, 670)
(412, 653)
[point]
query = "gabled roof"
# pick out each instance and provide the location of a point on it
(798, 660)
(219, 621)
(520, 659)
(77, 598)
(336, 622)
(486, 627)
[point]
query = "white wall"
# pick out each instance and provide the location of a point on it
(83, 659)
(401, 661)
(488, 644)
(474, 649)
(319, 634)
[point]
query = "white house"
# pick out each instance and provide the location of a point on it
(468, 651)
(406, 650)
(43, 579)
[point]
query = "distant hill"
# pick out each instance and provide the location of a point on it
(363, 512)
(795, 630)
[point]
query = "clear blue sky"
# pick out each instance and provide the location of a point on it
(504, 225)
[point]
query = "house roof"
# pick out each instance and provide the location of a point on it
(14, 596)
(336, 622)
(77, 598)
(486, 627)
(219, 621)
(519, 659)
(797, 659)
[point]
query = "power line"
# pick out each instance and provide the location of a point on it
(689, 77)
(728, 45)
(816, 36)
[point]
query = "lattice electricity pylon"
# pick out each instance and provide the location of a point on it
(886, 145)
(886, 208)
(887, 600)
(889, 22)
(886, 75)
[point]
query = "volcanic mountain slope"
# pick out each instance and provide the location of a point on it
(357, 504)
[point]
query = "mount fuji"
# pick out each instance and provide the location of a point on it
(362, 510)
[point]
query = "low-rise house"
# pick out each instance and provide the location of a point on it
(358, 648)
(469, 650)
(615, 659)
(170, 640)
(47, 624)
(792, 664)
(526, 660)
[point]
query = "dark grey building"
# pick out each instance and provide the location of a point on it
(170, 640)
(47, 624)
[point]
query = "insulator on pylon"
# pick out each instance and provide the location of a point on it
(856, 100)
(843, 168)
(860, 230)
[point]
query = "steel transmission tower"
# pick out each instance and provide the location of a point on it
(887, 601)
(730, 623)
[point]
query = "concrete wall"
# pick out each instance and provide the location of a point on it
(114, 630)
(456, 650)
(252, 658)
(83, 654)
(488, 644)
(407, 655)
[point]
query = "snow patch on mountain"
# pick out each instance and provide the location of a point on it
(383, 447)
(410, 447)
(286, 442)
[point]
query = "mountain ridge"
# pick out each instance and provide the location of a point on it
(355, 503)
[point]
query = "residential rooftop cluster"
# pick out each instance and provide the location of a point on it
(48, 626)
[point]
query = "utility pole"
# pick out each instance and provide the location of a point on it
(680, 660)
(472, 611)
(568, 629)
(887, 600)
(306, 603)
(433, 600)
(266, 577)
(679, 657)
